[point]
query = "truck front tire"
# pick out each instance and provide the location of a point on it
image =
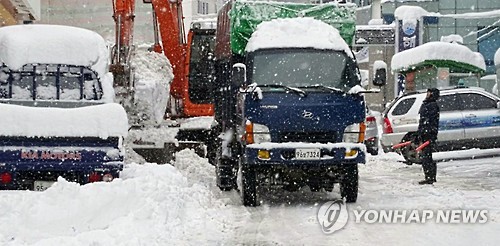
(349, 183)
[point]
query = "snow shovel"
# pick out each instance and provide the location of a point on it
(400, 145)
(422, 146)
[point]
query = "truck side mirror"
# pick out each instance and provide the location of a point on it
(239, 74)
(380, 74)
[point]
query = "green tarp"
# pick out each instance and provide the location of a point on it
(246, 15)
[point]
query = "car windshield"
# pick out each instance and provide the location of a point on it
(304, 68)
(49, 82)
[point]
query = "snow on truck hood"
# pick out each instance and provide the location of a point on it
(105, 120)
(52, 44)
(303, 32)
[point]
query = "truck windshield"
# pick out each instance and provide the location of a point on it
(49, 82)
(304, 68)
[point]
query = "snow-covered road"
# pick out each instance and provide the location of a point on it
(165, 205)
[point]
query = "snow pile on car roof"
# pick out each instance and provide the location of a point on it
(296, 33)
(433, 51)
(52, 44)
(102, 121)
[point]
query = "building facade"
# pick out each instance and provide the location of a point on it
(477, 21)
(97, 15)
(19, 11)
(480, 32)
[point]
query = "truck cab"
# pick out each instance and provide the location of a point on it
(58, 119)
(288, 106)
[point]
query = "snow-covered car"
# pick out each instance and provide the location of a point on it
(469, 118)
(371, 133)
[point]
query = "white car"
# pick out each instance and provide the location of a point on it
(469, 118)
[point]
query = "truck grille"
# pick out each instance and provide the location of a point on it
(308, 137)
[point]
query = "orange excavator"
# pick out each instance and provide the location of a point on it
(192, 66)
(191, 60)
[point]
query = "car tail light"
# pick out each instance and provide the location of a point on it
(5, 178)
(94, 177)
(370, 119)
(387, 125)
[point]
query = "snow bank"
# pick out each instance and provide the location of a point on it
(149, 205)
(92, 121)
(180, 205)
(436, 51)
(153, 75)
(296, 33)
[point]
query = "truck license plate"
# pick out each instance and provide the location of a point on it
(42, 185)
(307, 154)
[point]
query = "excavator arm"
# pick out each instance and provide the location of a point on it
(169, 19)
(123, 15)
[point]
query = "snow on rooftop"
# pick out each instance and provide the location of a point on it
(475, 15)
(296, 33)
(52, 44)
(102, 121)
(376, 22)
(407, 12)
(436, 51)
(452, 38)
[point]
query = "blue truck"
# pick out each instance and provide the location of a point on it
(289, 108)
(57, 118)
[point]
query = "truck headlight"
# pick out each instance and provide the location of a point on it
(256, 133)
(355, 133)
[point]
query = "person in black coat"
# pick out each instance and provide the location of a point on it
(427, 131)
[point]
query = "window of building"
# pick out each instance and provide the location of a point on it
(488, 43)
(202, 7)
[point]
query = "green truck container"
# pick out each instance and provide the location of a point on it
(245, 16)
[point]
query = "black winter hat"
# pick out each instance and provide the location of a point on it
(434, 93)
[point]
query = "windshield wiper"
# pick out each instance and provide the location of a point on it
(328, 88)
(287, 88)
